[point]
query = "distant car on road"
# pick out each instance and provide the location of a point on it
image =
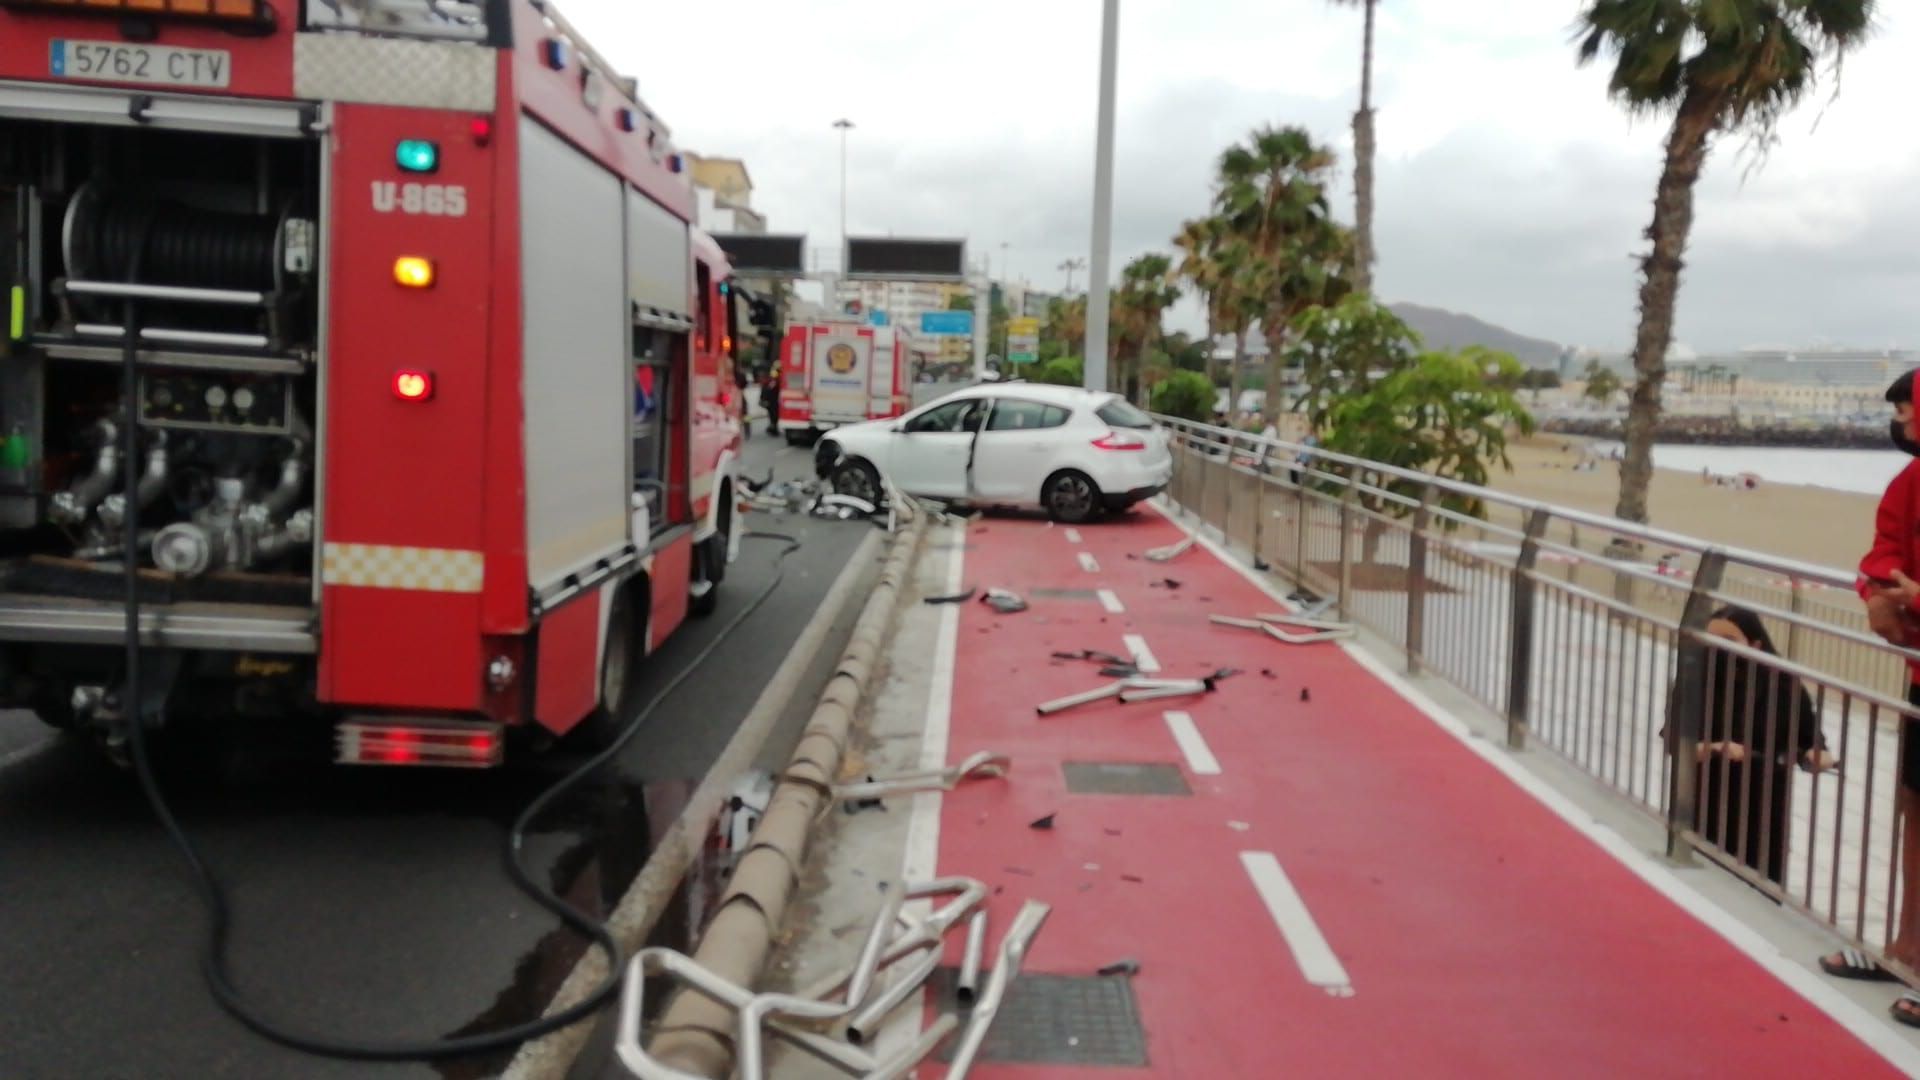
(1074, 453)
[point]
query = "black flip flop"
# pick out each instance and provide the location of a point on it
(1855, 964)
(1910, 1015)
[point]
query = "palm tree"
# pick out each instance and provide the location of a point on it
(1146, 292)
(1719, 67)
(1363, 146)
(1272, 194)
(1199, 242)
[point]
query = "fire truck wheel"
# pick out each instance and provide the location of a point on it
(712, 559)
(857, 478)
(619, 684)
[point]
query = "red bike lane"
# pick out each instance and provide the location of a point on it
(1447, 922)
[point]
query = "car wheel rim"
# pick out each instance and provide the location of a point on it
(857, 483)
(1072, 495)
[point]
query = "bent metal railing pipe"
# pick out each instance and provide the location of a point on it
(1589, 637)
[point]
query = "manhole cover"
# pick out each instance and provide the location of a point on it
(1065, 594)
(1124, 778)
(1056, 1020)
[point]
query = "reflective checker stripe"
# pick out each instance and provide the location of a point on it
(376, 566)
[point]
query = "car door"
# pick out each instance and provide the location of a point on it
(929, 452)
(1017, 449)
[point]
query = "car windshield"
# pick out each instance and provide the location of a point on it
(1120, 414)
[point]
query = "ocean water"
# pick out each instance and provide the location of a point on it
(1865, 471)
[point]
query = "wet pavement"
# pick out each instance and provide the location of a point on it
(367, 904)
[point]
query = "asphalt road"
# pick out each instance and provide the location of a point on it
(368, 904)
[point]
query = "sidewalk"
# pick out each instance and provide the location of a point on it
(1347, 890)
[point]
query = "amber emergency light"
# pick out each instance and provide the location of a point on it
(249, 11)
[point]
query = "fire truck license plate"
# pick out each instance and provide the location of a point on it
(160, 65)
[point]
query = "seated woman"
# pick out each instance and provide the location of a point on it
(1756, 722)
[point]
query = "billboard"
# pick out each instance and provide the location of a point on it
(956, 323)
(763, 255)
(890, 259)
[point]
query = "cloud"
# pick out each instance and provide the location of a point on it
(1509, 186)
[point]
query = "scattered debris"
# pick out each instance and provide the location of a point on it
(1112, 832)
(1171, 551)
(1134, 878)
(1004, 601)
(843, 507)
(1128, 966)
(1267, 672)
(1238, 826)
(1122, 671)
(955, 598)
(1092, 654)
(1137, 689)
(981, 765)
(1318, 630)
(1165, 583)
(1306, 694)
(1042, 823)
(1018, 871)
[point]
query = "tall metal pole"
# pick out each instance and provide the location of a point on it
(844, 125)
(1101, 270)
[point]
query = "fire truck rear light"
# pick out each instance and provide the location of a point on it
(448, 745)
(409, 385)
(413, 271)
(417, 156)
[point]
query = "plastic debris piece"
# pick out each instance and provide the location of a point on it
(1004, 601)
(1042, 823)
(1128, 966)
(1094, 654)
(1134, 878)
(955, 598)
(1165, 583)
(1306, 694)
(1123, 671)
(1267, 672)
(1171, 551)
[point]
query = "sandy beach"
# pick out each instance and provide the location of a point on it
(1816, 525)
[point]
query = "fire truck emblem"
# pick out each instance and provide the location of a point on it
(841, 359)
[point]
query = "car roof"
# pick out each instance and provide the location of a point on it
(1046, 393)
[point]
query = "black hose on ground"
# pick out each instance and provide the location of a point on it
(213, 957)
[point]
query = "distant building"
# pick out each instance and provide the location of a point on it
(724, 195)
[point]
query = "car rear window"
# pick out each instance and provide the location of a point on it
(1122, 415)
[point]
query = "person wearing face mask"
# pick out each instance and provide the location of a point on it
(1892, 595)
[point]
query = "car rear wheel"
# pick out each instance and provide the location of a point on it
(1071, 497)
(858, 479)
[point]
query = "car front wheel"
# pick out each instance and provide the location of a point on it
(858, 479)
(1070, 497)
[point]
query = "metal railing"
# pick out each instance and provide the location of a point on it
(1593, 638)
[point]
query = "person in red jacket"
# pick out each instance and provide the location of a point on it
(1890, 585)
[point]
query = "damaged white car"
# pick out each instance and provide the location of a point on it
(1074, 453)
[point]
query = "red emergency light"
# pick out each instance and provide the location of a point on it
(410, 384)
(239, 11)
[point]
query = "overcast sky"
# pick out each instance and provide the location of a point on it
(1509, 187)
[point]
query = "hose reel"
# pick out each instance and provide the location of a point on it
(186, 246)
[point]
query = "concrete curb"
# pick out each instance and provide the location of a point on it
(646, 900)
(695, 1034)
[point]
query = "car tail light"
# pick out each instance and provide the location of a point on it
(1120, 440)
(375, 742)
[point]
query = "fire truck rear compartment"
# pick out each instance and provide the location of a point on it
(207, 244)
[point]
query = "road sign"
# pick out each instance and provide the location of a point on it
(1023, 348)
(877, 317)
(1025, 327)
(895, 259)
(956, 323)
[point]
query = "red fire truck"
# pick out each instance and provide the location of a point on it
(434, 429)
(835, 372)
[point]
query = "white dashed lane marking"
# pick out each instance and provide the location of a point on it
(1143, 657)
(1111, 601)
(1199, 757)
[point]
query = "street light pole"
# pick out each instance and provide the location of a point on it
(1070, 266)
(844, 125)
(1100, 272)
